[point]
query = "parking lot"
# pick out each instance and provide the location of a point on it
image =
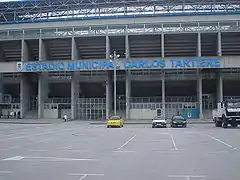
(76, 151)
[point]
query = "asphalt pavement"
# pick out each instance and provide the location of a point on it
(81, 151)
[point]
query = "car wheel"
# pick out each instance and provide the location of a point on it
(153, 126)
(107, 126)
(224, 125)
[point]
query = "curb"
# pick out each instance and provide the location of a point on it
(9, 122)
(137, 123)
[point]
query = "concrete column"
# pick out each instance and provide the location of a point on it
(163, 95)
(74, 94)
(109, 85)
(24, 51)
(199, 90)
(42, 93)
(199, 78)
(108, 47)
(128, 93)
(128, 78)
(219, 48)
(109, 92)
(162, 46)
(25, 87)
(74, 82)
(42, 51)
(219, 87)
(25, 94)
(75, 53)
(1, 88)
(199, 44)
(42, 80)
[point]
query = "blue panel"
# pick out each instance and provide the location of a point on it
(190, 113)
(195, 62)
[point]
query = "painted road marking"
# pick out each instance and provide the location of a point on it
(127, 142)
(187, 177)
(124, 151)
(222, 142)
(6, 172)
(38, 150)
(17, 158)
(173, 141)
(84, 175)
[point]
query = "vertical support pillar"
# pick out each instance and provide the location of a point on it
(128, 78)
(199, 90)
(219, 48)
(74, 82)
(199, 77)
(163, 95)
(42, 93)
(199, 44)
(109, 92)
(25, 87)
(162, 46)
(108, 81)
(219, 87)
(1, 89)
(128, 94)
(74, 94)
(42, 80)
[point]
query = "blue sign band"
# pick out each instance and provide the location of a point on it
(172, 63)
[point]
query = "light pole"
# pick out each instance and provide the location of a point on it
(114, 59)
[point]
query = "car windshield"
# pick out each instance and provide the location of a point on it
(157, 118)
(178, 118)
(115, 118)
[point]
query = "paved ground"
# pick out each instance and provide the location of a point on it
(77, 151)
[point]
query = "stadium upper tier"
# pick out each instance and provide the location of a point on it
(54, 10)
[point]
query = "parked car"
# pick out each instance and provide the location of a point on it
(159, 122)
(177, 121)
(115, 121)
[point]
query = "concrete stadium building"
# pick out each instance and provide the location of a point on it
(175, 56)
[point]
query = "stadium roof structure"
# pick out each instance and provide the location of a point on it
(23, 11)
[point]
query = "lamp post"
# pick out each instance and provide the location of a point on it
(115, 60)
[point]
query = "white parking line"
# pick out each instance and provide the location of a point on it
(127, 142)
(124, 151)
(173, 141)
(18, 158)
(84, 175)
(6, 172)
(38, 150)
(222, 142)
(187, 177)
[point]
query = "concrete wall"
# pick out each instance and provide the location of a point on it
(53, 113)
(50, 113)
(5, 111)
(142, 113)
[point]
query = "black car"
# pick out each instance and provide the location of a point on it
(177, 121)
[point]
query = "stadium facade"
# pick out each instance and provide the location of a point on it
(174, 58)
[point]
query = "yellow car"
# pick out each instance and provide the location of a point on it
(115, 121)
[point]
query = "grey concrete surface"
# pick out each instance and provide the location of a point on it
(78, 150)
